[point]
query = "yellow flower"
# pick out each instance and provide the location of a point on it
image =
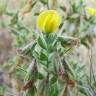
(48, 21)
(91, 11)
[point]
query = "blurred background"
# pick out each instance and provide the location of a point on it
(9, 43)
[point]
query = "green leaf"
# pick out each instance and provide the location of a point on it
(43, 56)
(31, 91)
(40, 76)
(44, 1)
(53, 79)
(42, 42)
(83, 91)
(30, 49)
(14, 19)
(54, 90)
(68, 42)
(35, 54)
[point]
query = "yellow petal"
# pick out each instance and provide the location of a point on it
(52, 22)
(41, 19)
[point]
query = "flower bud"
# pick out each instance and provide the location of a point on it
(48, 21)
(91, 11)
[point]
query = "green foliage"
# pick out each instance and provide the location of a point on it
(40, 62)
(42, 42)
